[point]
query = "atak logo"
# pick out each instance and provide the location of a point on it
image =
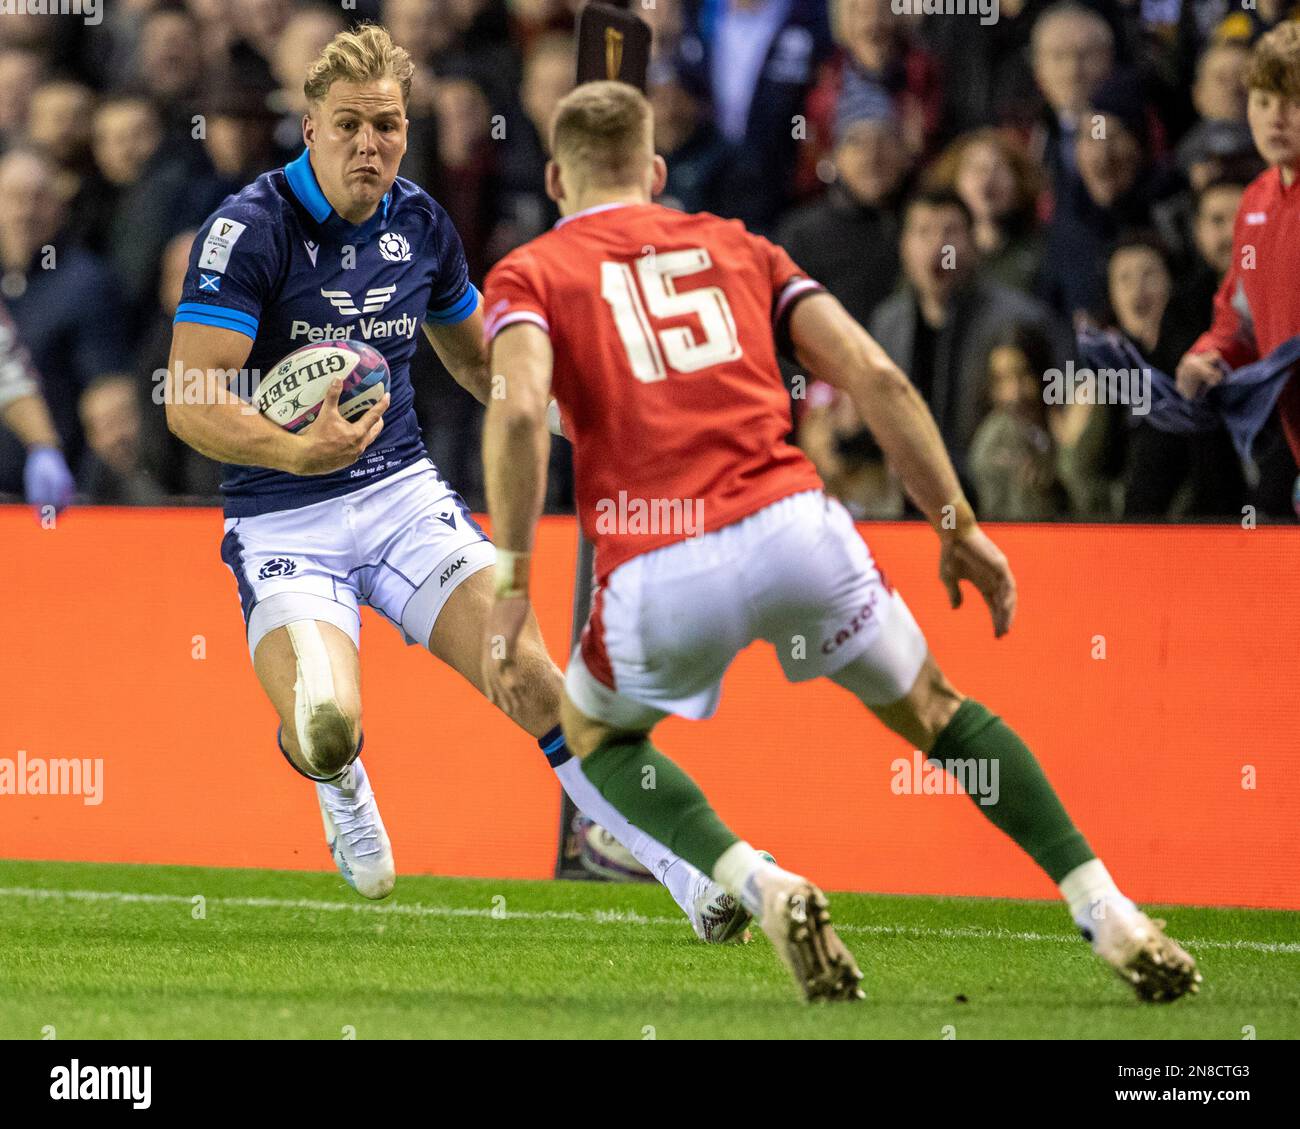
(394, 247)
(450, 571)
(277, 566)
(374, 301)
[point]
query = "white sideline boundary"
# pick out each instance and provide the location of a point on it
(592, 917)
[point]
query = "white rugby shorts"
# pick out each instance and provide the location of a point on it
(665, 625)
(401, 545)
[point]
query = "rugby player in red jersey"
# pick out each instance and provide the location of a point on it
(657, 333)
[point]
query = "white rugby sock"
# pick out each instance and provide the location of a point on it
(738, 869)
(678, 875)
(1090, 892)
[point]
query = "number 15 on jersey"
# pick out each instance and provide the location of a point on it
(643, 293)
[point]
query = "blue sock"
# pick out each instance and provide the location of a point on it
(552, 744)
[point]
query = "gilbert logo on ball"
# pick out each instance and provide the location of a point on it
(291, 394)
(394, 247)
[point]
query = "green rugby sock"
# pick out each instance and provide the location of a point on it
(1027, 808)
(655, 795)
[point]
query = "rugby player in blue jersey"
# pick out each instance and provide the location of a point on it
(336, 245)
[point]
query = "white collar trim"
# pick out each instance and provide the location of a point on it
(593, 210)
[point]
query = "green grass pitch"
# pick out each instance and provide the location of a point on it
(125, 952)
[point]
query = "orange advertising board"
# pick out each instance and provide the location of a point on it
(1153, 670)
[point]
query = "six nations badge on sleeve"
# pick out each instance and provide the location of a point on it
(221, 240)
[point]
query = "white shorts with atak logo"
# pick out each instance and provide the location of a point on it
(666, 624)
(401, 545)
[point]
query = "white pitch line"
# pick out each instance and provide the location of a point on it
(592, 917)
(599, 917)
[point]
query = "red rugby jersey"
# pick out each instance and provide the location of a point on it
(665, 370)
(1257, 307)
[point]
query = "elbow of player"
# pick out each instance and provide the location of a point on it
(888, 380)
(521, 423)
(870, 378)
(518, 415)
(178, 418)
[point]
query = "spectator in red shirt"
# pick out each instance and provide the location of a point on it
(1257, 306)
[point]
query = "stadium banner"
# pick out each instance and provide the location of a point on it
(1151, 668)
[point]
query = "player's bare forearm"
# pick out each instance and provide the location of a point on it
(29, 419)
(516, 442)
(462, 350)
(210, 417)
(903, 426)
(229, 433)
(836, 349)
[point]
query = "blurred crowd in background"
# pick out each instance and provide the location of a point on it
(943, 177)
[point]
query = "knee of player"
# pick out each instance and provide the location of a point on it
(328, 732)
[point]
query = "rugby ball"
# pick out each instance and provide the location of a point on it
(605, 857)
(291, 393)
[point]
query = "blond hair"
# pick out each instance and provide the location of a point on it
(364, 55)
(606, 129)
(1274, 64)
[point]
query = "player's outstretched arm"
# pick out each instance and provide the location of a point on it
(204, 411)
(516, 448)
(835, 348)
(462, 350)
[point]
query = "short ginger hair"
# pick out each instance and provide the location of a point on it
(364, 55)
(1274, 65)
(607, 129)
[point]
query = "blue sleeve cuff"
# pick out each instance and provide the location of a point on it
(457, 311)
(220, 316)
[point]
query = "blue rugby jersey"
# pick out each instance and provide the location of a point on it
(270, 263)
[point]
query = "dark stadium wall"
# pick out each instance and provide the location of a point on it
(1152, 669)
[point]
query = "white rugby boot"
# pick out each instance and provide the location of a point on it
(1157, 968)
(716, 916)
(355, 833)
(796, 918)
